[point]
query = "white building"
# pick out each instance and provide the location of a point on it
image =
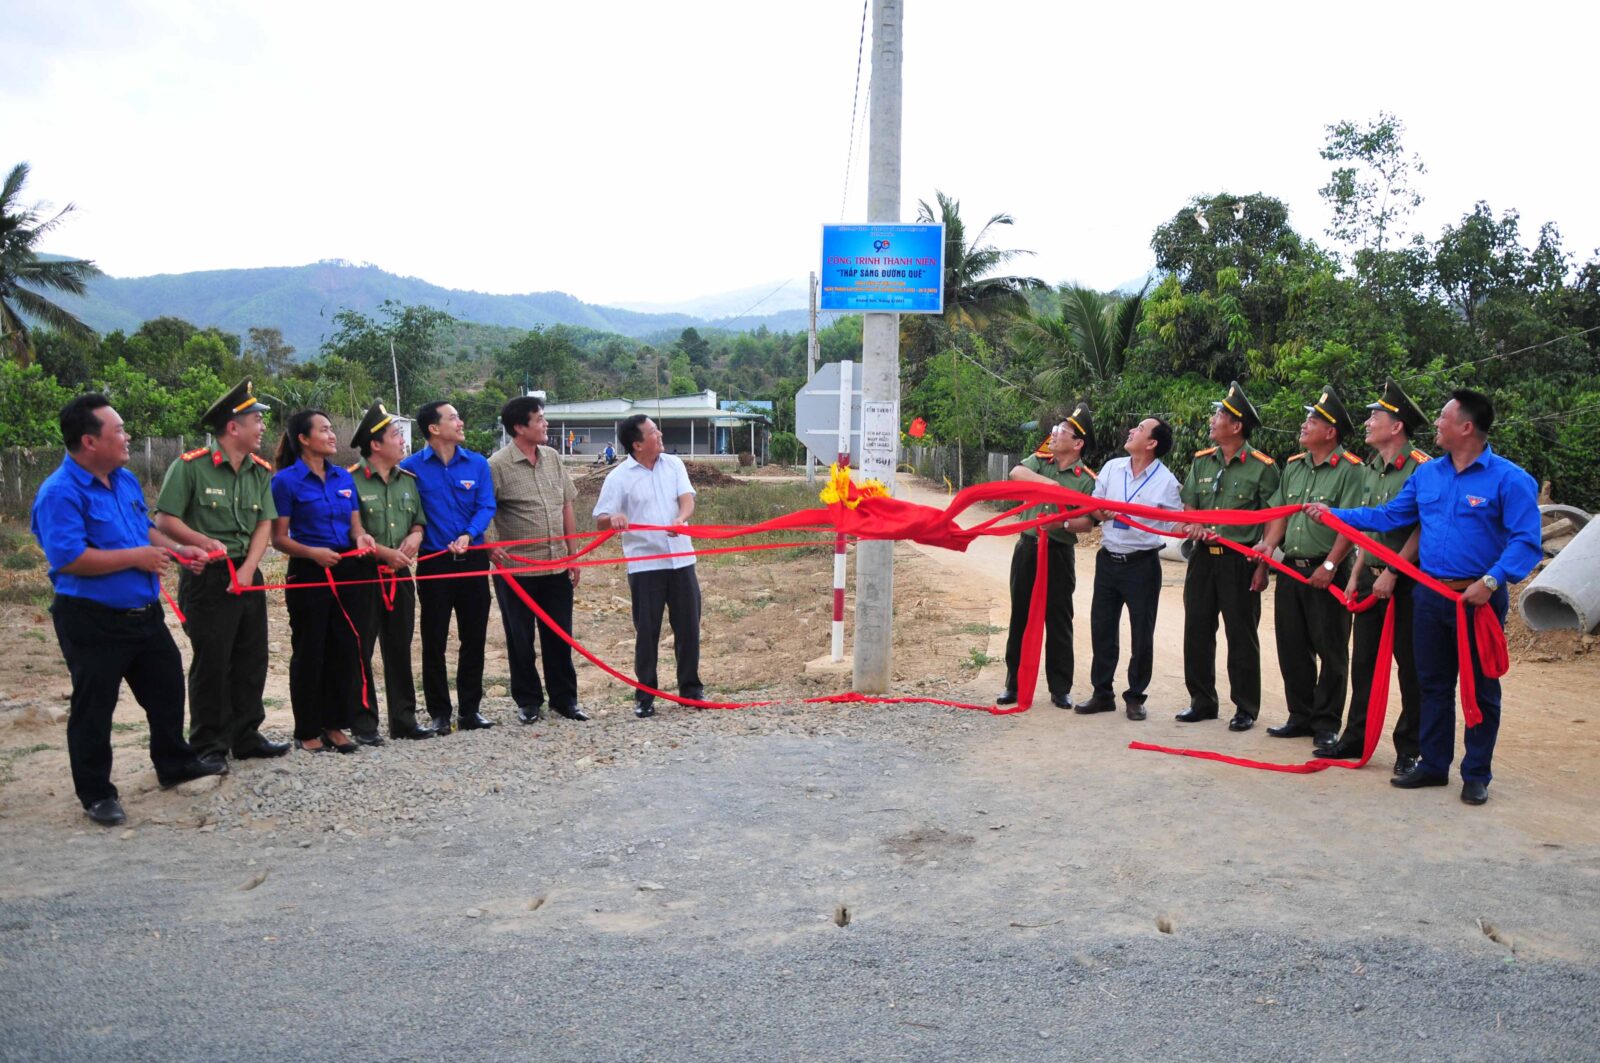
(691, 425)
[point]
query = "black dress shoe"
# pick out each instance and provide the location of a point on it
(1134, 710)
(346, 747)
(198, 768)
(1321, 741)
(1061, 701)
(1290, 730)
(644, 709)
(1095, 704)
(440, 725)
(1242, 721)
(107, 812)
(1194, 715)
(1006, 697)
(264, 747)
(1416, 779)
(1341, 750)
(1474, 792)
(531, 714)
(577, 713)
(373, 739)
(475, 722)
(412, 733)
(1404, 764)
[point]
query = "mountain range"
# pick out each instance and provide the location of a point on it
(302, 301)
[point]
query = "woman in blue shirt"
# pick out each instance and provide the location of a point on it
(319, 518)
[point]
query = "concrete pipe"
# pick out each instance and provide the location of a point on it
(1567, 592)
(1552, 515)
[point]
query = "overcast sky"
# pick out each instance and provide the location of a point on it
(632, 151)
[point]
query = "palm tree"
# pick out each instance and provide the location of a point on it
(22, 270)
(1092, 337)
(971, 296)
(974, 301)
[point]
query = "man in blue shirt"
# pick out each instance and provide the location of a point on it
(457, 494)
(106, 560)
(1479, 520)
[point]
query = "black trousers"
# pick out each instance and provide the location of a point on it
(467, 597)
(102, 647)
(325, 668)
(1218, 584)
(554, 595)
(1313, 633)
(227, 660)
(677, 591)
(1060, 582)
(391, 629)
(1132, 580)
(1368, 631)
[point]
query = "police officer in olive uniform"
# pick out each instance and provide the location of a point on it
(221, 499)
(391, 512)
(1311, 625)
(1229, 475)
(1394, 420)
(1057, 461)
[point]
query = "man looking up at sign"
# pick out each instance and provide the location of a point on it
(1127, 570)
(458, 500)
(1479, 520)
(1229, 475)
(1058, 462)
(651, 487)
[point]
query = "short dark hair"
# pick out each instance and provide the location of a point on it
(1162, 434)
(631, 431)
(80, 418)
(515, 414)
(428, 415)
(1477, 408)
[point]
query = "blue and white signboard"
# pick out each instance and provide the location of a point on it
(883, 269)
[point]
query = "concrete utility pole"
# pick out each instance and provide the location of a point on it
(880, 349)
(811, 370)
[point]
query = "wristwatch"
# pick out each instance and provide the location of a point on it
(1330, 566)
(1490, 582)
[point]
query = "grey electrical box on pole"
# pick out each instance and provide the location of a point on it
(880, 352)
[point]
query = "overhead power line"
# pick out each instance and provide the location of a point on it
(855, 99)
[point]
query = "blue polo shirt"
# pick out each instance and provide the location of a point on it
(73, 512)
(318, 507)
(457, 499)
(1483, 520)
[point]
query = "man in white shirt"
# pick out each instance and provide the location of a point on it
(1127, 570)
(652, 487)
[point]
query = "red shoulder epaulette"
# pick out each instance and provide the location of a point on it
(263, 462)
(1297, 457)
(198, 452)
(403, 471)
(1419, 457)
(1262, 456)
(1203, 453)
(1088, 470)
(1353, 459)
(352, 467)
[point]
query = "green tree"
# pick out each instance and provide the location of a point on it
(1091, 335)
(267, 350)
(544, 359)
(22, 271)
(1372, 196)
(30, 402)
(402, 348)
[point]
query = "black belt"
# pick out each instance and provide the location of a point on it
(1305, 562)
(99, 607)
(1123, 559)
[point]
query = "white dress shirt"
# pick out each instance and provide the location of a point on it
(648, 496)
(1156, 486)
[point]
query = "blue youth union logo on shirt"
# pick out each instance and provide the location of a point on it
(468, 485)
